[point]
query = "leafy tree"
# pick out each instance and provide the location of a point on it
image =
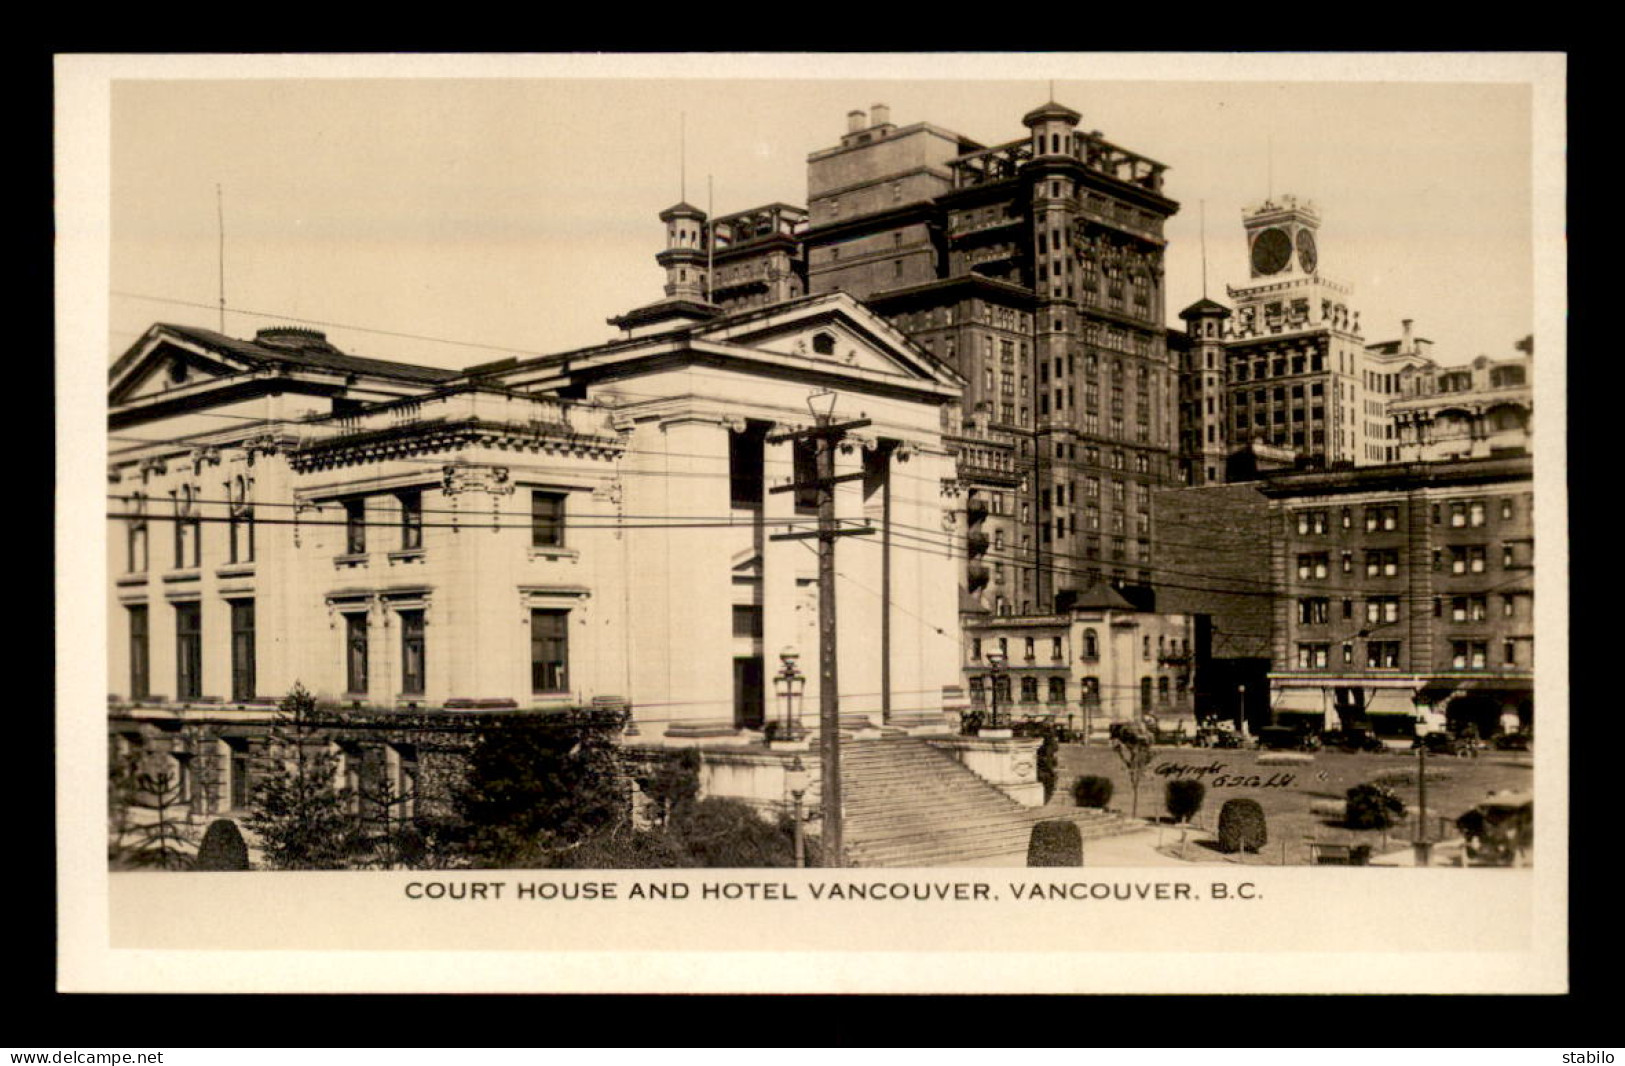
(1184, 798)
(159, 832)
(671, 784)
(1092, 791)
(300, 814)
(538, 786)
(719, 832)
(1056, 842)
(223, 847)
(1242, 826)
(1372, 806)
(1133, 748)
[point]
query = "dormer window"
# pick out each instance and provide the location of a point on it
(824, 343)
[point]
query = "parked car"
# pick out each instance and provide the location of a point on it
(1352, 740)
(1288, 738)
(1445, 744)
(1514, 742)
(1218, 738)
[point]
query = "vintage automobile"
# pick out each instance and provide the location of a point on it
(1442, 743)
(1288, 738)
(1352, 740)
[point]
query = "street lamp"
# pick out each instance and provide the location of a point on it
(790, 683)
(795, 780)
(996, 663)
(822, 405)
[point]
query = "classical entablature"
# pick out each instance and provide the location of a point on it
(455, 420)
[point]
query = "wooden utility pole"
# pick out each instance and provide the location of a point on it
(827, 436)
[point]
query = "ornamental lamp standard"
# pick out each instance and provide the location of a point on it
(790, 683)
(996, 663)
(795, 782)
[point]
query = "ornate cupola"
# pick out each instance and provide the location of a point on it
(685, 252)
(1052, 125)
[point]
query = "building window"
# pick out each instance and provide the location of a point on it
(414, 665)
(242, 649)
(1029, 690)
(1313, 656)
(355, 652)
(745, 469)
(1030, 652)
(355, 526)
(1348, 562)
(1055, 648)
(1475, 513)
(188, 531)
(1381, 563)
(1506, 509)
(1469, 655)
(1091, 644)
(411, 519)
(1145, 648)
(1313, 611)
(188, 650)
(547, 519)
(549, 650)
(976, 649)
(1382, 655)
(137, 534)
(140, 679)
(1312, 566)
(240, 522)
(1382, 609)
(747, 621)
(1145, 695)
(1509, 652)
(1057, 690)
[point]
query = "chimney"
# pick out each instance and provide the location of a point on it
(1408, 345)
(854, 121)
(879, 115)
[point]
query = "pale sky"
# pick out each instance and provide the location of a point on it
(519, 213)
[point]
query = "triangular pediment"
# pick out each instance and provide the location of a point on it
(162, 363)
(836, 330)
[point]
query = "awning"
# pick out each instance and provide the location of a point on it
(1389, 701)
(1300, 701)
(1437, 690)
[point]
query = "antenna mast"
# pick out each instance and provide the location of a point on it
(710, 237)
(220, 218)
(1204, 248)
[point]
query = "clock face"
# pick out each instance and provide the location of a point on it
(1306, 251)
(1272, 250)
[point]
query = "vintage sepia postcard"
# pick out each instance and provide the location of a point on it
(812, 523)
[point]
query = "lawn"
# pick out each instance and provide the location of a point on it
(1286, 792)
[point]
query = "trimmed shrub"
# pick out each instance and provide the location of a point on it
(1241, 826)
(1372, 806)
(1056, 842)
(1184, 798)
(223, 847)
(1092, 791)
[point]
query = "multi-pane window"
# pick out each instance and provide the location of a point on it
(1029, 690)
(1468, 608)
(1383, 563)
(355, 652)
(1313, 611)
(188, 530)
(1382, 609)
(1467, 560)
(547, 519)
(411, 501)
(1312, 566)
(188, 650)
(1469, 654)
(414, 665)
(240, 522)
(140, 678)
(1091, 644)
(1475, 513)
(1311, 523)
(1312, 656)
(242, 649)
(1057, 690)
(1382, 655)
(355, 526)
(747, 621)
(1055, 648)
(137, 534)
(549, 651)
(1384, 518)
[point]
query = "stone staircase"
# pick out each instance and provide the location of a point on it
(908, 804)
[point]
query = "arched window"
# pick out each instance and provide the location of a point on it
(1091, 644)
(1057, 690)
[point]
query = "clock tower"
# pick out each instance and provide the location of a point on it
(1293, 351)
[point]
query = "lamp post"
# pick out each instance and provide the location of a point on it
(791, 683)
(795, 780)
(996, 663)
